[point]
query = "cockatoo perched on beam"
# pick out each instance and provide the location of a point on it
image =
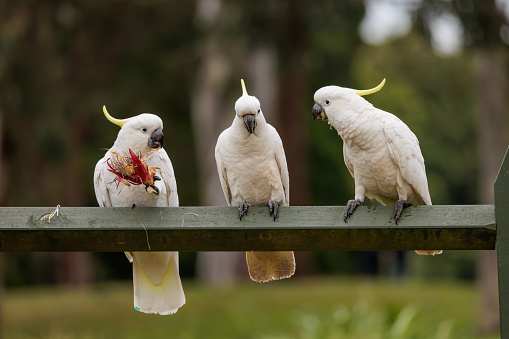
(156, 280)
(380, 151)
(252, 169)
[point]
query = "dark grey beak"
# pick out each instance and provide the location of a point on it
(250, 122)
(156, 139)
(319, 113)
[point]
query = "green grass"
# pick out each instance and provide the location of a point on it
(295, 308)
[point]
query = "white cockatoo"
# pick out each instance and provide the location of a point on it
(380, 151)
(156, 280)
(252, 168)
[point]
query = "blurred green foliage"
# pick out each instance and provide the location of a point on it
(316, 308)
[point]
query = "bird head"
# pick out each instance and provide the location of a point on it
(140, 133)
(334, 99)
(247, 108)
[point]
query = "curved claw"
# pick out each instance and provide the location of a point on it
(273, 207)
(243, 209)
(152, 189)
(350, 207)
(398, 208)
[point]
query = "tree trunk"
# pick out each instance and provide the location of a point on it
(294, 115)
(2, 255)
(494, 138)
(208, 116)
(74, 268)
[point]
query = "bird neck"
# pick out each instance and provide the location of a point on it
(123, 146)
(354, 124)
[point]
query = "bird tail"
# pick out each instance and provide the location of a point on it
(156, 282)
(427, 201)
(268, 266)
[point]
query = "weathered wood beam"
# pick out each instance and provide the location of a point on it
(502, 215)
(307, 228)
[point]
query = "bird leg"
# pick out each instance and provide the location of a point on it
(273, 206)
(398, 208)
(350, 207)
(243, 209)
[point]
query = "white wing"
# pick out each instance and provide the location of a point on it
(100, 176)
(283, 167)
(162, 160)
(406, 153)
(347, 161)
(221, 170)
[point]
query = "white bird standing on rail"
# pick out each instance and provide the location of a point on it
(380, 151)
(156, 280)
(252, 169)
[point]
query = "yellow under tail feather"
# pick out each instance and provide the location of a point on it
(165, 296)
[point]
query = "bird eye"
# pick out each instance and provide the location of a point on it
(259, 109)
(327, 102)
(144, 129)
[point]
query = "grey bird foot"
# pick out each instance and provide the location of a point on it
(350, 207)
(398, 208)
(273, 207)
(243, 209)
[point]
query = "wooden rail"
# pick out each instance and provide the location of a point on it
(114, 229)
(502, 218)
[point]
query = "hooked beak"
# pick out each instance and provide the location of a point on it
(319, 113)
(156, 139)
(250, 122)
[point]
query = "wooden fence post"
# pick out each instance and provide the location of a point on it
(502, 220)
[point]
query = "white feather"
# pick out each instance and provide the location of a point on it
(252, 168)
(156, 280)
(381, 153)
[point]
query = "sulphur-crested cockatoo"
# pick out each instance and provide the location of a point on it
(156, 280)
(380, 151)
(252, 168)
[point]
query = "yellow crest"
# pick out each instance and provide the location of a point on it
(112, 119)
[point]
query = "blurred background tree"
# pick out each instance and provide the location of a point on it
(485, 31)
(60, 61)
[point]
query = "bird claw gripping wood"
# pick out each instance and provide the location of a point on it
(131, 170)
(398, 208)
(350, 207)
(243, 209)
(273, 207)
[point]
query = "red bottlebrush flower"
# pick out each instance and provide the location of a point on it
(131, 170)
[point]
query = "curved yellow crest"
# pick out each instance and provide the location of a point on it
(112, 119)
(370, 91)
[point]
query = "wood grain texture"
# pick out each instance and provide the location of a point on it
(306, 228)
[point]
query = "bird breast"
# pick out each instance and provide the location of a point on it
(374, 169)
(252, 172)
